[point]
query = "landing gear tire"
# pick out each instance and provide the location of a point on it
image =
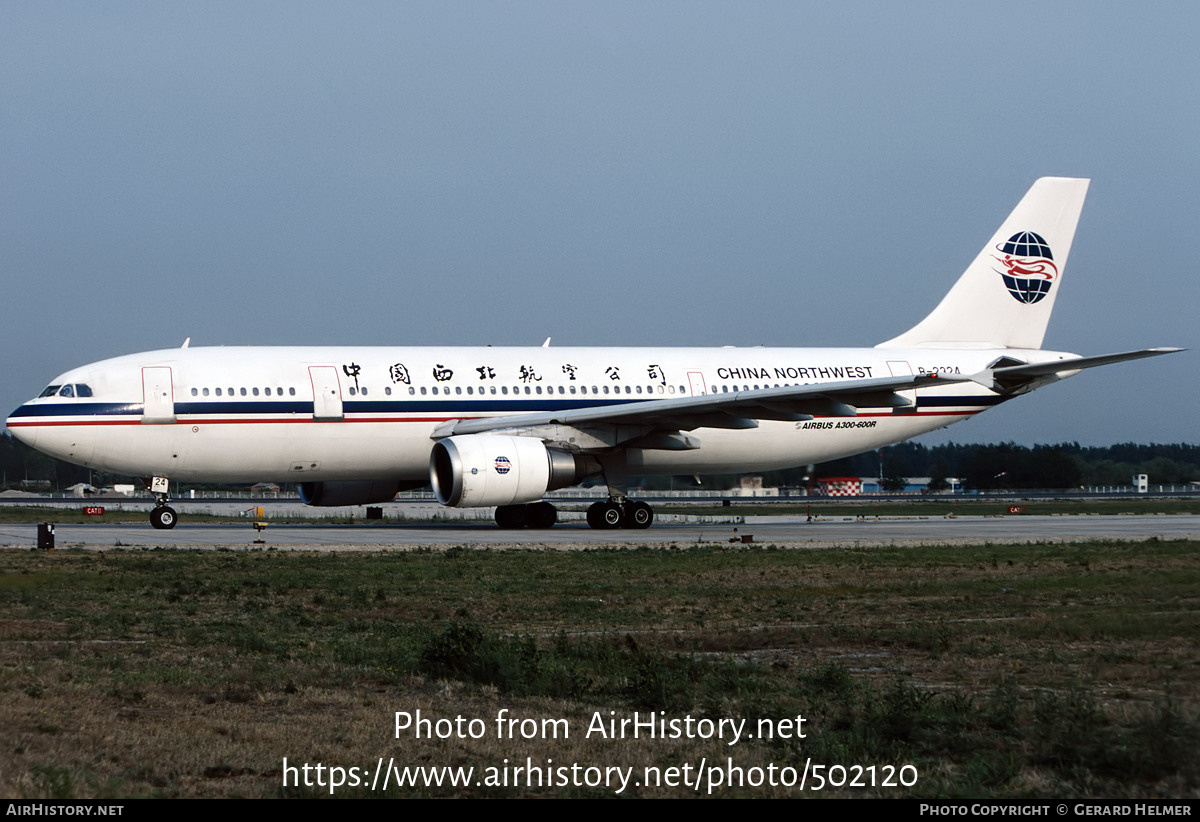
(535, 515)
(541, 515)
(605, 515)
(163, 518)
(637, 515)
(512, 516)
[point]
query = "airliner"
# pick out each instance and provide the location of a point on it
(499, 427)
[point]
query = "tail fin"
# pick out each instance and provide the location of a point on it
(1004, 298)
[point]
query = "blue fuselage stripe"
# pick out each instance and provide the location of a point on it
(481, 406)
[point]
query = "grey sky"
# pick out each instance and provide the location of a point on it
(604, 173)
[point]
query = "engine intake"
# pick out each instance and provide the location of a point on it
(490, 469)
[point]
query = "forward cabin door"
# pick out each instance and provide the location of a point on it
(327, 393)
(158, 397)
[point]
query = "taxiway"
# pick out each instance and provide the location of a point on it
(789, 531)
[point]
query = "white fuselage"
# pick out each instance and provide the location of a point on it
(317, 413)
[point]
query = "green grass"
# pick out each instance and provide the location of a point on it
(1020, 671)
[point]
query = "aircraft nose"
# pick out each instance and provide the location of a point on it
(25, 433)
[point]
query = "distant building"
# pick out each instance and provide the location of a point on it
(840, 486)
(752, 487)
(871, 485)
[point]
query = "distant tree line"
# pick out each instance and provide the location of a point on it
(987, 467)
(1005, 465)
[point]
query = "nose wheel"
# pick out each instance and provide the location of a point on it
(163, 517)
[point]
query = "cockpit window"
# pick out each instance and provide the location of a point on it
(78, 389)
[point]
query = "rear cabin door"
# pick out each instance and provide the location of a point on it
(327, 393)
(902, 368)
(158, 397)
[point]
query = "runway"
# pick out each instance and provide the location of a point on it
(784, 531)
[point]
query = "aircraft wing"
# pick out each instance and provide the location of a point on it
(741, 409)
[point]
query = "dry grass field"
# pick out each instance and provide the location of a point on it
(1017, 671)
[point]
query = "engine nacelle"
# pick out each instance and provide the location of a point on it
(489, 469)
(352, 492)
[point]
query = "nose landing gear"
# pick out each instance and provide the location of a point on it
(163, 517)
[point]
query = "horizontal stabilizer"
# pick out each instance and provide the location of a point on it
(1042, 369)
(1013, 379)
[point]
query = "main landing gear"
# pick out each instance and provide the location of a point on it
(620, 514)
(534, 515)
(163, 517)
(610, 514)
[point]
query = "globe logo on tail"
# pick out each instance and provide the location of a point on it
(1028, 266)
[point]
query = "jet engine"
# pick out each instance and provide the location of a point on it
(490, 469)
(352, 492)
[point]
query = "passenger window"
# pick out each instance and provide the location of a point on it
(255, 390)
(195, 392)
(243, 391)
(204, 392)
(458, 389)
(364, 391)
(292, 391)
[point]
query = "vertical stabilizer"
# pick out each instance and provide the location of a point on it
(1004, 298)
